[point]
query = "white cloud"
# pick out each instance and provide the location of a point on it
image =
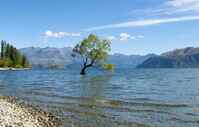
(124, 36)
(170, 8)
(133, 37)
(180, 3)
(111, 38)
(51, 34)
(147, 22)
(180, 6)
(140, 36)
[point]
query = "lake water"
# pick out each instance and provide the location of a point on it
(154, 97)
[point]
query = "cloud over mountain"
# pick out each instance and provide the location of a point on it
(51, 34)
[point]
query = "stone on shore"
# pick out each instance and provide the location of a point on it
(14, 114)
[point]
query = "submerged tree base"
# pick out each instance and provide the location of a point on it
(83, 71)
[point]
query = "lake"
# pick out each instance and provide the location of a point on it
(152, 97)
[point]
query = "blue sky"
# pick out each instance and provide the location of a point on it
(133, 26)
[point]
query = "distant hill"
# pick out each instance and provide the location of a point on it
(130, 61)
(179, 58)
(48, 57)
(61, 57)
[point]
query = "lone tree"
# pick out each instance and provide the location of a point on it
(93, 52)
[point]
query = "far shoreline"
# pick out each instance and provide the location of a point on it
(13, 69)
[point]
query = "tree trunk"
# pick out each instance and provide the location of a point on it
(83, 71)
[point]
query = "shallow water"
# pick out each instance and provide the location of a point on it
(154, 97)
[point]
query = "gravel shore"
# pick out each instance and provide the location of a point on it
(13, 69)
(15, 114)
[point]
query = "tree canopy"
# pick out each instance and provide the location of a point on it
(11, 57)
(93, 52)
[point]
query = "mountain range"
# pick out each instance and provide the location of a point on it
(179, 58)
(48, 57)
(61, 57)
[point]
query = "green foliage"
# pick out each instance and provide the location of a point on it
(8, 62)
(1, 62)
(11, 57)
(18, 66)
(110, 67)
(24, 62)
(92, 50)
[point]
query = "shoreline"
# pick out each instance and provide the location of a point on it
(13, 69)
(14, 113)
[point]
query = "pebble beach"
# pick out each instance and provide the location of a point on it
(15, 114)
